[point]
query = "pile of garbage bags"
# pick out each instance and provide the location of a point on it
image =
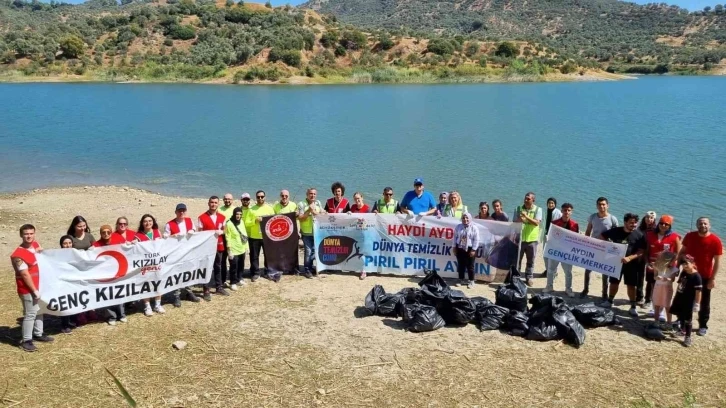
(542, 317)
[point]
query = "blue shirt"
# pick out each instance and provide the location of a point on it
(418, 204)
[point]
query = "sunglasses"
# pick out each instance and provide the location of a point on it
(388, 194)
(245, 199)
(281, 196)
(260, 196)
(104, 232)
(664, 224)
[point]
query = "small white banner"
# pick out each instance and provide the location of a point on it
(73, 281)
(589, 253)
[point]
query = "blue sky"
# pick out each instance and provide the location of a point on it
(688, 4)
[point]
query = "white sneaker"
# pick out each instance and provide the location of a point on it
(570, 293)
(159, 309)
(242, 283)
(470, 285)
(633, 312)
(662, 316)
(111, 322)
(606, 304)
(147, 310)
(547, 290)
(123, 320)
(233, 287)
(648, 305)
(650, 313)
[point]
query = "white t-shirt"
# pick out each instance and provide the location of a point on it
(182, 227)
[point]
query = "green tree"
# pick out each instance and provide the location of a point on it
(340, 51)
(440, 46)
(289, 57)
(268, 5)
(182, 32)
(472, 48)
(72, 46)
(707, 9)
(353, 40)
(385, 42)
(507, 49)
(329, 39)
(718, 9)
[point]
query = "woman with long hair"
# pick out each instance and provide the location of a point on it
(148, 231)
(483, 211)
(456, 207)
(80, 233)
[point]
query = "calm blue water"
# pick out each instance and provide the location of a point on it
(651, 143)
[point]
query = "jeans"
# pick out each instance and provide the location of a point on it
(309, 252)
(705, 313)
(236, 268)
(255, 248)
(32, 318)
(464, 264)
(528, 249)
(116, 312)
(216, 279)
(552, 273)
(605, 283)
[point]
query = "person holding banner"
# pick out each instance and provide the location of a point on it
(149, 231)
(552, 214)
(236, 238)
(465, 244)
(307, 210)
(565, 221)
(456, 207)
(337, 203)
(418, 201)
(530, 216)
(598, 223)
(123, 234)
(27, 280)
(359, 206)
(499, 214)
(256, 212)
(632, 269)
(211, 220)
(386, 205)
(179, 226)
(483, 211)
(81, 233)
(116, 313)
(68, 323)
(284, 206)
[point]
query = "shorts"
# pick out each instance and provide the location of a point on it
(633, 276)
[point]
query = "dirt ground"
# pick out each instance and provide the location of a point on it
(298, 343)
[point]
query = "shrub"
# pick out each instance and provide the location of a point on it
(568, 67)
(353, 40)
(507, 50)
(289, 57)
(340, 51)
(182, 32)
(72, 46)
(440, 46)
(329, 38)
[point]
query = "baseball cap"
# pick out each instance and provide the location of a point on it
(444, 193)
(667, 219)
(418, 180)
(181, 207)
(651, 214)
(245, 195)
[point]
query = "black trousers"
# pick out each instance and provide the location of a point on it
(215, 281)
(236, 268)
(705, 313)
(255, 248)
(464, 263)
(224, 260)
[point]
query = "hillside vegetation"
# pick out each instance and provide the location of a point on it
(607, 31)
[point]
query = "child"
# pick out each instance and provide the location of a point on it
(663, 294)
(688, 297)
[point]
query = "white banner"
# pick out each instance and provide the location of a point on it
(73, 281)
(579, 250)
(406, 245)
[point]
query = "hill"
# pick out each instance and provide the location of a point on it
(608, 31)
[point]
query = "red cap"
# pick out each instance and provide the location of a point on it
(667, 219)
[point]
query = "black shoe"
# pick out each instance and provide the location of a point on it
(255, 277)
(43, 339)
(66, 330)
(583, 295)
(207, 297)
(177, 302)
(192, 297)
(308, 275)
(543, 274)
(222, 291)
(28, 346)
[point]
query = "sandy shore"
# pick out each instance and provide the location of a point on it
(298, 343)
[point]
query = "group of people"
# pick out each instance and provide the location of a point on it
(238, 232)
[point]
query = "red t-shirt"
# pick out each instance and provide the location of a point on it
(99, 243)
(656, 246)
(354, 208)
(703, 250)
(571, 225)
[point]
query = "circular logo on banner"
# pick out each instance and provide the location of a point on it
(279, 228)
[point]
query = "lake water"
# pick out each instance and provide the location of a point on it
(651, 143)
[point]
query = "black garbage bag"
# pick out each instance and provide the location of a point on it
(390, 305)
(590, 315)
(408, 309)
(490, 317)
(457, 310)
(424, 319)
(433, 278)
(654, 332)
(516, 323)
(543, 331)
(411, 295)
(478, 300)
(371, 301)
(542, 299)
(570, 329)
(513, 295)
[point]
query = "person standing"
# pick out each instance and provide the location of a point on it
(149, 231)
(386, 205)
(646, 224)
(245, 200)
(418, 201)
(337, 203)
(632, 269)
(123, 234)
(234, 231)
(456, 207)
(68, 323)
(565, 221)
(226, 210)
(359, 206)
(706, 249)
(499, 214)
(598, 223)
(116, 313)
(530, 216)
(284, 206)
(80, 233)
(689, 297)
(181, 225)
(307, 210)
(483, 211)
(465, 244)
(256, 212)
(658, 240)
(552, 214)
(443, 202)
(27, 281)
(211, 220)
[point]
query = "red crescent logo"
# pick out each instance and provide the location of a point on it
(123, 264)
